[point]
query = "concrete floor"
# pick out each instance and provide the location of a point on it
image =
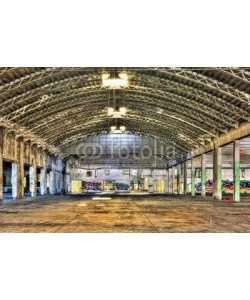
(121, 213)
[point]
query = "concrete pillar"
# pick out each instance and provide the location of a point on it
(68, 183)
(48, 182)
(1, 164)
(179, 179)
(60, 183)
(33, 173)
(45, 182)
(185, 186)
(173, 179)
(56, 182)
(42, 181)
(20, 169)
(33, 181)
(193, 176)
(14, 180)
(236, 159)
(52, 184)
(203, 175)
(217, 173)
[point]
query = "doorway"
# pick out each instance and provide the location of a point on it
(26, 182)
(7, 180)
(38, 174)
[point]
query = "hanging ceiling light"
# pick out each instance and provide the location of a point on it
(120, 130)
(110, 111)
(116, 114)
(115, 83)
(122, 110)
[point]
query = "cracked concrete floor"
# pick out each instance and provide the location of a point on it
(139, 214)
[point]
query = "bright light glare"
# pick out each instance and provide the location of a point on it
(123, 76)
(113, 128)
(122, 110)
(114, 83)
(110, 111)
(122, 128)
(105, 76)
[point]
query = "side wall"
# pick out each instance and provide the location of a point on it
(23, 153)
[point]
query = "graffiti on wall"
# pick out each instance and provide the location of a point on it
(91, 186)
(209, 186)
(227, 186)
(121, 186)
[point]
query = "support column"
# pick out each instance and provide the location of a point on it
(203, 175)
(52, 184)
(173, 179)
(44, 175)
(179, 179)
(33, 174)
(56, 182)
(14, 180)
(20, 170)
(185, 186)
(64, 183)
(236, 156)
(68, 183)
(1, 164)
(45, 182)
(61, 183)
(193, 176)
(42, 181)
(33, 181)
(217, 173)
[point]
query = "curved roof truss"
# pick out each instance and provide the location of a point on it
(183, 107)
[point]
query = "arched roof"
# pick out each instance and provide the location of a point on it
(184, 107)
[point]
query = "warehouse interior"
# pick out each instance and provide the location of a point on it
(70, 132)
